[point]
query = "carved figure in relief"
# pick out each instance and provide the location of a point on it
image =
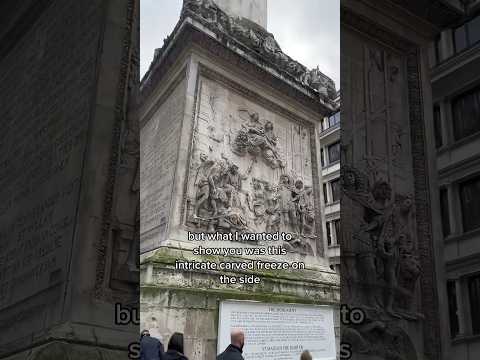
(257, 139)
(320, 82)
(286, 206)
(233, 182)
(256, 201)
(378, 339)
(202, 182)
(221, 203)
(409, 265)
(298, 194)
(218, 204)
(218, 197)
(380, 253)
(307, 211)
(271, 209)
(299, 244)
(383, 244)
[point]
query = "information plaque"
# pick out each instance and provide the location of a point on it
(278, 331)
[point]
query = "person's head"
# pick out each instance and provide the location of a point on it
(299, 184)
(349, 179)
(306, 355)
(382, 191)
(176, 342)
(144, 333)
(285, 179)
(237, 338)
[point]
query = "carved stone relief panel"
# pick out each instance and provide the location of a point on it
(250, 170)
(381, 264)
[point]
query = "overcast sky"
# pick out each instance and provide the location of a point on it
(306, 30)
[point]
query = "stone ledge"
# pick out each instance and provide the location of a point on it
(166, 257)
(58, 349)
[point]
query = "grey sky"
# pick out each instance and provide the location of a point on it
(306, 30)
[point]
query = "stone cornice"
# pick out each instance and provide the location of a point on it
(248, 40)
(190, 32)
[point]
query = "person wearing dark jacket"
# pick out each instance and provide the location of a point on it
(150, 347)
(175, 348)
(235, 349)
(306, 355)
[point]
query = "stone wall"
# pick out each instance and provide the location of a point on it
(67, 65)
(46, 121)
(159, 154)
(188, 301)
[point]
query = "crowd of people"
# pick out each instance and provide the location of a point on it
(152, 348)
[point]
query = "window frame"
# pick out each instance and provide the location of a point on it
(339, 152)
(474, 308)
(465, 209)
(468, 40)
(339, 192)
(461, 97)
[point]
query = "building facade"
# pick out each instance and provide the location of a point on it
(455, 80)
(331, 187)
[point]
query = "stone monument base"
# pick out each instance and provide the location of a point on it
(188, 301)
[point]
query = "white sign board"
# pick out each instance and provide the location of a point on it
(278, 331)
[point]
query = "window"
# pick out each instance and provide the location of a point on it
(467, 34)
(334, 152)
(335, 184)
(469, 198)
(474, 30)
(466, 114)
(460, 38)
(474, 297)
(334, 119)
(437, 126)
(437, 49)
(325, 193)
(322, 157)
(336, 224)
(452, 307)
(445, 212)
(329, 233)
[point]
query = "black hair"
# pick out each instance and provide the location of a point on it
(176, 342)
